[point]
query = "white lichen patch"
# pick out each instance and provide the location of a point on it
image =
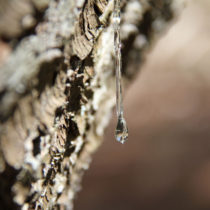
(133, 14)
(59, 183)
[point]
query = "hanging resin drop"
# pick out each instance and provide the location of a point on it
(121, 132)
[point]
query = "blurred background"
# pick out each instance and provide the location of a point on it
(165, 165)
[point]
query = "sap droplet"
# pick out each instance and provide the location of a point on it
(121, 132)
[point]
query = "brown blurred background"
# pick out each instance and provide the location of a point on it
(165, 165)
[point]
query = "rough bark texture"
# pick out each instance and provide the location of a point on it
(57, 89)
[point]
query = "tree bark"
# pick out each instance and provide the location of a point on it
(57, 89)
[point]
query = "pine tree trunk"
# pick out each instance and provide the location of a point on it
(57, 89)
